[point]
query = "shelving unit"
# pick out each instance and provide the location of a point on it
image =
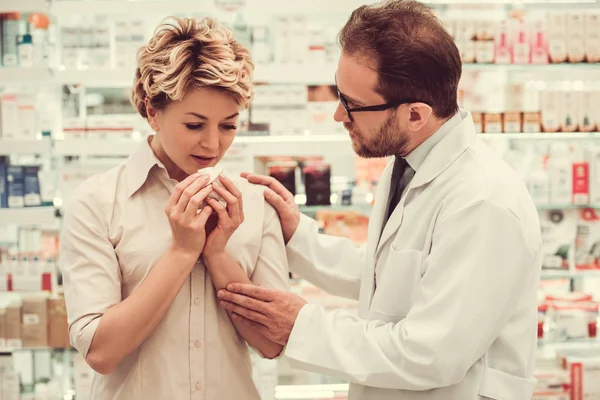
(19, 75)
(27, 216)
(8, 147)
(24, 5)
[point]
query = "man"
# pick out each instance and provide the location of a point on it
(447, 282)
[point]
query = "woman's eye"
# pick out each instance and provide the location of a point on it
(230, 127)
(194, 127)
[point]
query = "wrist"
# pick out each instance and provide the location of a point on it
(214, 258)
(183, 256)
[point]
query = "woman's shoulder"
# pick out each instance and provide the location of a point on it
(98, 189)
(250, 191)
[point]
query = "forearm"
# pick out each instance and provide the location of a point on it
(224, 270)
(125, 326)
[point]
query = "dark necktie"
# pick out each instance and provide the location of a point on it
(402, 174)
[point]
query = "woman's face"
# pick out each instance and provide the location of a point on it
(194, 133)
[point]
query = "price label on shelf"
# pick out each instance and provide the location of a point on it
(230, 5)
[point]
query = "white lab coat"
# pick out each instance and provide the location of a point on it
(453, 314)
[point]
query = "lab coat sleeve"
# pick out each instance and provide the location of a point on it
(480, 265)
(331, 263)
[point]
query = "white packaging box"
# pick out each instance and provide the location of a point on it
(557, 36)
(83, 377)
(137, 29)
(28, 117)
(593, 156)
(559, 229)
(585, 371)
(551, 107)
(299, 39)
(588, 110)
(592, 36)
(575, 37)
(9, 116)
(10, 386)
(282, 41)
(123, 46)
(570, 110)
(101, 54)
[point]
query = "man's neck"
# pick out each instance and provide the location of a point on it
(420, 136)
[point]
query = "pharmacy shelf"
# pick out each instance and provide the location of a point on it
(27, 216)
(10, 147)
(264, 7)
(280, 145)
(96, 77)
(95, 147)
(302, 74)
(543, 135)
(24, 5)
(532, 67)
(546, 207)
(550, 274)
(22, 75)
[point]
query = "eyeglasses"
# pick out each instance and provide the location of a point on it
(379, 107)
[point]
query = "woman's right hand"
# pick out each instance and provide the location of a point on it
(187, 225)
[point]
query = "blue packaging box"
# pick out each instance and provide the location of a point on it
(15, 183)
(3, 189)
(31, 186)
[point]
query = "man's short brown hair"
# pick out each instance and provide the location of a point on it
(412, 52)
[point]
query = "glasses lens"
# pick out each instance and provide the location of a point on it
(344, 102)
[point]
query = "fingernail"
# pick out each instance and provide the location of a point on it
(230, 288)
(221, 294)
(222, 303)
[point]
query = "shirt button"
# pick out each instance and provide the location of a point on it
(197, 301)
(197, 386)
(197, 343)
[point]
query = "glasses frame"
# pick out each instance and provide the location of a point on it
(378, 107)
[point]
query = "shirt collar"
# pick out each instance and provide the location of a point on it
(417, 157)
(139, 165)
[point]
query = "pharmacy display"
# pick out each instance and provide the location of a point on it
(531, 78)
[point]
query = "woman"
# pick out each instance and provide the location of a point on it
(140, 282)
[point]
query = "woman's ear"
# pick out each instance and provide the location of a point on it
(152, 114)
(419, 115)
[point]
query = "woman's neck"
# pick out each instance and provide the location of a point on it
(173, 170)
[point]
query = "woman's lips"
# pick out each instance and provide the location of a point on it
(203, 161)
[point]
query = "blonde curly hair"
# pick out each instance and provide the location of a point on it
(187, 53)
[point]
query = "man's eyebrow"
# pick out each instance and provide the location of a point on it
(355, 101)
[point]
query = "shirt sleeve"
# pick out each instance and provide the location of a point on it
(481, 266)
(91, 273)
(271, 266)
(333, 264)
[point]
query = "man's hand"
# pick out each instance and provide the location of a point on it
(282, 200)
(272, 313)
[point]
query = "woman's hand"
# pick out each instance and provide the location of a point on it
(230, 217)
(187, 225)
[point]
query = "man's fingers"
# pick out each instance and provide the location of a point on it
(263, 330)
(253, 291)
(244, 301)
(271, 183)
(248, 314)
(276, 201)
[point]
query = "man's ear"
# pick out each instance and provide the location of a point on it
(152, 114)
(419, 114)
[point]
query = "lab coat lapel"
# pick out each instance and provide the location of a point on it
(374, 233)
(441, 156)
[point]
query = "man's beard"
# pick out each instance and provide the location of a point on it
(389, 140)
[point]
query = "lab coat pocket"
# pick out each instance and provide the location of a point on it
(397, 283)
(499, 385)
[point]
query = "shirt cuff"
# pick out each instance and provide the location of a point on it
(82, 335)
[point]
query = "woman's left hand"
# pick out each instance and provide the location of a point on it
(229, 218)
